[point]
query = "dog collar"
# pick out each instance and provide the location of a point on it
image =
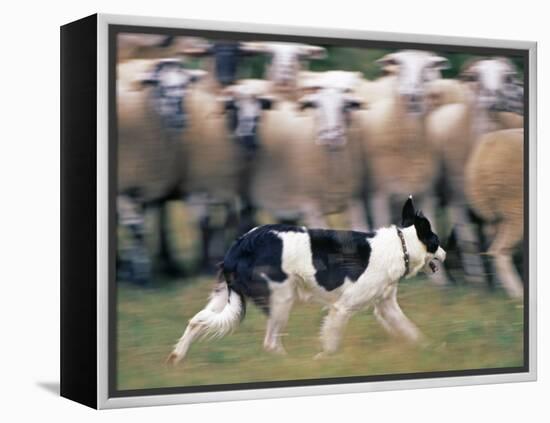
(406, 257)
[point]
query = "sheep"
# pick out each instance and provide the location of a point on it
(150, 117)
(453, 129)
(400, 159)
(213, 160)
(307, 164)
(284, 68)
(494, 189)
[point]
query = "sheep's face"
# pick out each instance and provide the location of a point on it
(430, 251)
(414, 70)
(285, 59)
(226, 58)
(332, 108)
(243, 107)
(170, 81)
(493, 82)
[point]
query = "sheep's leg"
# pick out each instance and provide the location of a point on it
(131, 216)
(381, 209)
(428, 205)
(168, 263)
(247, 219)
(280, 304)
(508, 235)
(313, 217)
(206, 236)
(358, 215)
(333, 330)
(395, 321)
(468, 244)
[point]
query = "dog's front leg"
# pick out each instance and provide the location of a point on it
(394, 320)
(332, 330)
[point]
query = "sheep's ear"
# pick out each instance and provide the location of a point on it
(313, 52)
(440, 63)
(408, 215)
(388, 63)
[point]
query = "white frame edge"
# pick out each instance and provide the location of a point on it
(103, 401)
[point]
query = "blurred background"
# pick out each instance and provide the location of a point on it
(218, 136)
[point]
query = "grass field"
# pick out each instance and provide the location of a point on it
(468, 328)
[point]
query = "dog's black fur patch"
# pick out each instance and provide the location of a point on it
(339, 254)
(253, 255)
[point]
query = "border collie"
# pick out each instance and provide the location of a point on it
(274, 265)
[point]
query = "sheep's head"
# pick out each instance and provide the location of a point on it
(170, 81)
(243, 104)
(226, 55)
(285, 59)
(494, 83)
(332, 106)
(414, 70)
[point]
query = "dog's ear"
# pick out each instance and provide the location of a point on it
(422, 226)
(408, 214)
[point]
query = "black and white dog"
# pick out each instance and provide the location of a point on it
(274, 265)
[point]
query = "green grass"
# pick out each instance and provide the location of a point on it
(467, 326)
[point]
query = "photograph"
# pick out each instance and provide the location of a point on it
(296, 210)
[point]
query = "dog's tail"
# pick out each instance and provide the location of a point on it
(225, 309)
(220, 316)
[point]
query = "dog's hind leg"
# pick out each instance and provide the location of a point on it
(281, 301)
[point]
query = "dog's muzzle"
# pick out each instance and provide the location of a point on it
(439, 256)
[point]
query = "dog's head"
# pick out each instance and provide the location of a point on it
(428, 239)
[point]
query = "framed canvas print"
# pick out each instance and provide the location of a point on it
(255, 211)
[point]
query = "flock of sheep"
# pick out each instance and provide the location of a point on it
(302, 146)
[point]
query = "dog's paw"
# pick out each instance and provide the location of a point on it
(321, 356)
(278, 350)
(172, 359)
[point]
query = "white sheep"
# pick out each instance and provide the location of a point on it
(400, 159)
(309, 161)
(150, 115)
(453, 130)
(214, 163)
(494, 189)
